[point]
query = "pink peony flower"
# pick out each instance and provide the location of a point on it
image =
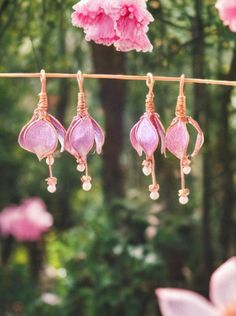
(178, 302)
(146, 135)
(26, 222)
(123, 23)
(227, 11)
(97, 24)
(83, 133)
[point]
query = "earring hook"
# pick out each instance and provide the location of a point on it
(150, 81)
(80, 79)
(181, 101)
(181, 86)
(43, 80)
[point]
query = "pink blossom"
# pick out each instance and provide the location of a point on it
(178, 302)
(227, 11)
(97, 24)
(123, 23)
(26, 222)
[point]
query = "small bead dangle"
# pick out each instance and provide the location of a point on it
(82, 134)
(177, 140)
(41, 135)
(145, 137)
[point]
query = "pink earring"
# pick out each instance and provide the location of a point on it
(41, 135)
(177, 140)
(145, 137)
(82, 134)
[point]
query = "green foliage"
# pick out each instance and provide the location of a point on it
(99, 259)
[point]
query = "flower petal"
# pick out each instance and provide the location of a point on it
(98, 26)
(177, 139)
(39, 137)
(200, 136)
(99, 136)
(223, 284)
(81, 136)
(101, 31)
(161, 132)
(147, 136)
(177, 302)
(67, 141)
(134, 141)
(61, 132)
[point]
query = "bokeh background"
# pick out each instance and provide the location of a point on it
(110, 248)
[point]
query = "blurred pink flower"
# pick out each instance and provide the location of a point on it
(123, 23)
(177, 302)
(227, 11)
(26, 222)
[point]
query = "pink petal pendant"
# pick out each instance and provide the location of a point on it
(41, 135)
(83, 133)
(145, 137)
(177, 140)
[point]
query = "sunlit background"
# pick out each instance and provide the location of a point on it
(110, 248)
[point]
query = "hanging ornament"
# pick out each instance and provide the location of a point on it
(41, 135)
(146, 135)
(123, 23)
(82, 134)
(177, 140)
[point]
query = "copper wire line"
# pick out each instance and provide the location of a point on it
(119, 77)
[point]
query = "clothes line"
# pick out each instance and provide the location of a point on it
(119, 77)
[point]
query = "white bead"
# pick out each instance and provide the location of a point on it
(81, 167)
(52, 188)
(87, 186)
(147, 171)
(154, 195)
(186, 170)
(183, 200)
(50, 161)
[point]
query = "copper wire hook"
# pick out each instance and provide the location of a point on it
(181, 86)
(150, 81)
(80, 79)
(43, 80)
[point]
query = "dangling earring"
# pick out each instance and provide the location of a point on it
(82, 134)
(145, 137)
(177, 140)
(41, 135)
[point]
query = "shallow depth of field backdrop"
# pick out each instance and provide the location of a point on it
(111, 247)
